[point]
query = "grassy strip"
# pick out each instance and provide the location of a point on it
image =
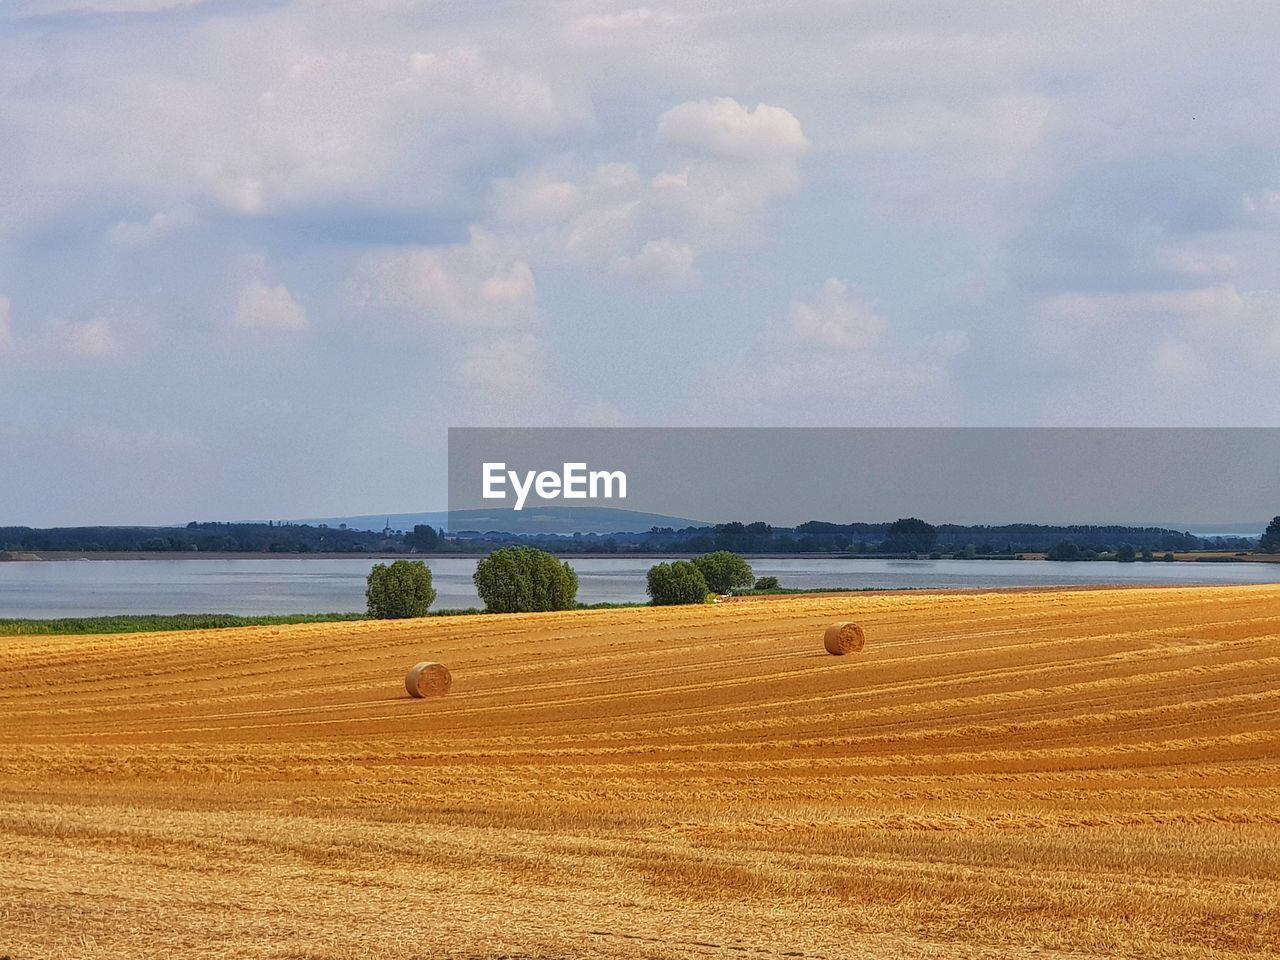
(148, 623)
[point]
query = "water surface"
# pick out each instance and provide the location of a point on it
(83, 588)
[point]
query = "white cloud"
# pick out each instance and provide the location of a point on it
(835, 360)
(791, 389)
(611, 214)
(129, 233)
(506, 368)
(593, 234)
(476, 284)
(599, 27)
(721, 200)
(1152, 340)
(464, 82)
(726, 127)
(46, 7)
(1264, 205)
(1216, 305)
(837, 321)
(535, 199)
(263, 307)
(741, 160)
(587, 220)
(271, 115)
(91, 340)
(665, 261)
(6, 328)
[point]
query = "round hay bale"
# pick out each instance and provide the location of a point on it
(844, 637)
(428, 679)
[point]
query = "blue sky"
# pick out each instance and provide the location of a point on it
(256, 257)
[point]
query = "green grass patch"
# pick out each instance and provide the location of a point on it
(148, 623)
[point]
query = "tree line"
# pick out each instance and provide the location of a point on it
(900, 537)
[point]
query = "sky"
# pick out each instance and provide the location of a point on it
(256, 257)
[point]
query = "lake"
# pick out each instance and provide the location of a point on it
(83, 588)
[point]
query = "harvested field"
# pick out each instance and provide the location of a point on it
(1052, 774)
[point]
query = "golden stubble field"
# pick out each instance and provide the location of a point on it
(1054, 774)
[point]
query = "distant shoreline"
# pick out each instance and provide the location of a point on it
(19, 556)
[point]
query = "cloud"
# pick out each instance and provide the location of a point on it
(91, 340)
(586, 219)
(263, 307)
(508, 368)
(599, 27)
(51, 7)
(741, 160)
(727, 128)
(463, 82)
(1154, 340)
(537, 199)
(6, 327)
(667, 262)
(127, 233)
(1215, 305)
(734, 162)
(835, 360)
(837, 321)
(1264, 205)
(476, 284)
(264, 116)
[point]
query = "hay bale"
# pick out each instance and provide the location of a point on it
(844, 637)
(428, 679)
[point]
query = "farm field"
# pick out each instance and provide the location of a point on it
(1062, 774)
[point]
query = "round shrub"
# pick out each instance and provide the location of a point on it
(525, 580)
(676, 582)
(766, 583)
(724, 571)
(400, 590)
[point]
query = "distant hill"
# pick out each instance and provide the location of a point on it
(531, 520)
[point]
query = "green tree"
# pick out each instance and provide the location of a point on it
(1270, 542)
(1065, 550)
(676, 582)
(724, 571)
(766, 583)
(1126, 553)
(424, 538)
(911, 533)
(400, 590)
(525, 580)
